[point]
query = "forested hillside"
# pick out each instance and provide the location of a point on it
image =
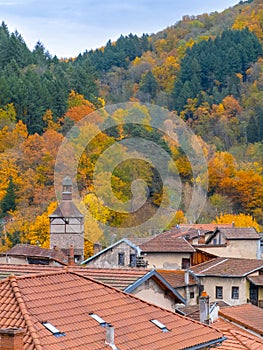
(208, 69)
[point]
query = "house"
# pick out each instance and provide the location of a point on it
(145, 284)
(227, 278)
(184, 283)
(64, 310)
(165, 250)
(67, 224)
(233, 242)
(30, 254)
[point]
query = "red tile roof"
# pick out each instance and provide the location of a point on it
(35, 251)
(167, 242)
(176, 278)
(246, 315)
(118, 278)
(237, 338)
(223, 267)
(256, 280)
(66, 300)
(240, 233)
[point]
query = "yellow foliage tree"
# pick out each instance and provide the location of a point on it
(240, 220)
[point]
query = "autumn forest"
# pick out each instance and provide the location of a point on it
(206, 69)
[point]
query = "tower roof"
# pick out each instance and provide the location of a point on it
(66, 209)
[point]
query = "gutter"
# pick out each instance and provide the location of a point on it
(217, 342)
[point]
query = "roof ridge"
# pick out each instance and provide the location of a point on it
(23, 309)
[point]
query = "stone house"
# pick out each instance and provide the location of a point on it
(161, 251)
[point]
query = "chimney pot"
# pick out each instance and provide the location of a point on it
(11, 338)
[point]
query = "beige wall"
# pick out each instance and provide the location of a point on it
(210, 284)
(183, 292)
(151, 292)
(166, 260)
(235, 249)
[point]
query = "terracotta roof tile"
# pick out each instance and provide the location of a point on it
(35, 251)
(240, 233)
(176, 278)
(257, 280)
(65, 299)
(246, 315)
(237, 338)
(167, 242)
(227, 267)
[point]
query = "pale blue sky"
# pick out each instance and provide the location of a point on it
(69, 27)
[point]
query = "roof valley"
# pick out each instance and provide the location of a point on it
(23, 309)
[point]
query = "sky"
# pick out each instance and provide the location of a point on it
(69, 27)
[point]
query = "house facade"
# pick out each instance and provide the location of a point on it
(162, 251)
(233, 242)
(227, 279)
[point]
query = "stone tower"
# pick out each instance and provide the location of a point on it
(67, 224)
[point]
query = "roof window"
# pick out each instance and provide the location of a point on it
(99, 320)
(56, 332)
(160, 325)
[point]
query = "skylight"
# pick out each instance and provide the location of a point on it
(160, 325)
(56, 332)
(99, 319)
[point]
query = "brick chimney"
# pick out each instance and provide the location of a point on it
(201, 239)
(71, 260)
(11, 338)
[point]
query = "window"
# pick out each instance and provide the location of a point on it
(235, 293)
(56, 332)
(192, 295)
(185, 263)
(160, 325)
(99, 320)
(219, 292)
(132, 260)
(121, 259)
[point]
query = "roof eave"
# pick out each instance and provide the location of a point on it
(216, 342)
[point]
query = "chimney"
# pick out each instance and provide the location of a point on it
(110, 337)
(11, 339)
(71, 261)
(204, 307)
(201, 239)
(187, 292)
